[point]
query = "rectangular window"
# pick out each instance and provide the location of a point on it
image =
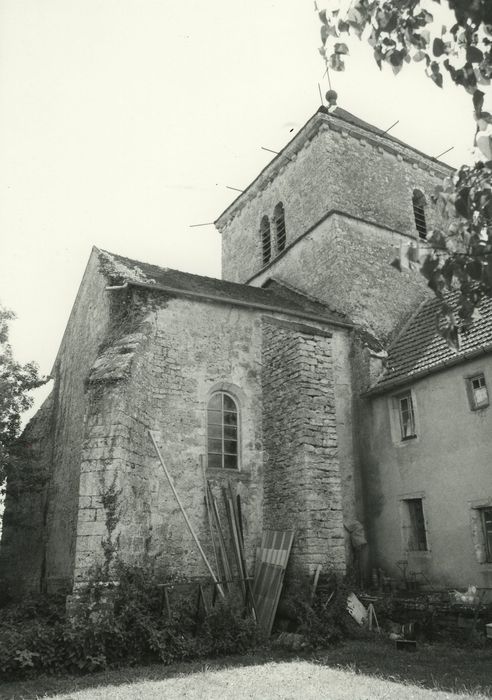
(477, 392)
(486, 515)
(407, 416)
(414, 531)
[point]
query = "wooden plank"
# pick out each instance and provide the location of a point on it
(222, 539)
(267, 586)
(239, 533)
(315, 582)
(220, 532)
(235, 540)
(209, 516)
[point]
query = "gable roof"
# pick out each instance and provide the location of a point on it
(276, 297)
(420, 350)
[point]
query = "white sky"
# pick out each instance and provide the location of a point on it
(122, 122)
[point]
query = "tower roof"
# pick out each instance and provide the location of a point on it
(337, 119)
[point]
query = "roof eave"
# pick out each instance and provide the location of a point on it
(235, 302)
(391, 384)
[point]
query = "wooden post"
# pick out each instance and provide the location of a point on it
(173, 489)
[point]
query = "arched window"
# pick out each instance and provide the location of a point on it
(266, 244)
(222, 432)
(279, 220)
(419, 204)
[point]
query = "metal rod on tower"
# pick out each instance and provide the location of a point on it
(390, 127)
(270, 150)
(234, 188)
(444, 152)
(211, 223)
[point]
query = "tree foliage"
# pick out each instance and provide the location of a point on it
(16, 380)
(459, 255)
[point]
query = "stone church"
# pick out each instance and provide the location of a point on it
(305, 377)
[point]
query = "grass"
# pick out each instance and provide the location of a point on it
(357, 670)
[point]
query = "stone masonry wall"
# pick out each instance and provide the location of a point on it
(182, 352)
(347, 265)
(86, 329)
(23, 528)
(332, 168)
(48, 543)
(302, 475)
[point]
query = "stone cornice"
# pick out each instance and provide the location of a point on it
(322, 121)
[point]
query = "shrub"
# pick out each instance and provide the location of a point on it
(225, 631)
(116, 623)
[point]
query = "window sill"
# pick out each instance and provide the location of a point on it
(418, 553)
(410, 440)
(229, 472)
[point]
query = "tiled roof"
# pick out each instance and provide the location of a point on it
(420, 350)
(120, 269)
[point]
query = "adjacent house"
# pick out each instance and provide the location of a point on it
(428, 471)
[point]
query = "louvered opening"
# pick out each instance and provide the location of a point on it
(266, 243)
(419, 213)
(279, 219)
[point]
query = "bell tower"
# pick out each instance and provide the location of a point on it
(346, 192)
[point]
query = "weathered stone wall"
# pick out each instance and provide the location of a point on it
(347, 264)
(328, 167)
(186, 350)
(23, 532)
(49, 544)
(86, 330)
(302, 475)
(180, 353)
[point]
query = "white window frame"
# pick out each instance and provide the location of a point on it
(224, 393)
(483, 550)
(395, 414)
(471, 391)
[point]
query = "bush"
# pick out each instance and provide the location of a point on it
(225, 631)
(113, 624)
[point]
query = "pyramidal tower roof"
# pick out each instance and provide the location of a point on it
(337, 119)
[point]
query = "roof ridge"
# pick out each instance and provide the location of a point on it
(173, 269)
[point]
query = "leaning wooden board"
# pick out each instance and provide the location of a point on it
(270, 570)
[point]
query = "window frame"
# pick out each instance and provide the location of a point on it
(223, 453)
(472, 399)
(414, 528)
(408, 396)
(486, 533)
